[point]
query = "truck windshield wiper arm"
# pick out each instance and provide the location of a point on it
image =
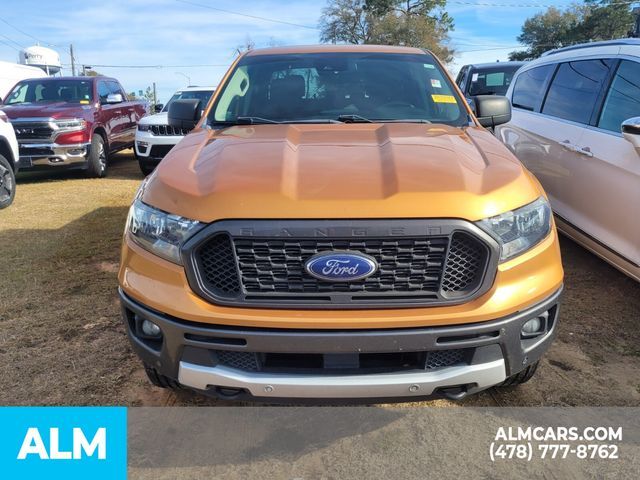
(404, 120)
(350, 118)
(252, 120)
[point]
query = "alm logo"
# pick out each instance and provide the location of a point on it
(33, 444)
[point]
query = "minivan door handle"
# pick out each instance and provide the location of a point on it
(566, 144)
(586, 151)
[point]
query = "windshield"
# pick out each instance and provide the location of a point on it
(50, 90)
(492, 81)
(202, 95)
(322, 87)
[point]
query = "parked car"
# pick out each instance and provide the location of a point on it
(12, 73)
(8, 161)
(487, 78)
(155, 137)
(340, 225)
(72, 122)
(576, 126)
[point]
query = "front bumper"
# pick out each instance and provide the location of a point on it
(151, 149)
(39, 155)
(495, 349)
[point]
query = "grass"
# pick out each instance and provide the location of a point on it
(58, 307)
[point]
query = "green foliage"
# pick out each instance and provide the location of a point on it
(592, 20)
(422, 24)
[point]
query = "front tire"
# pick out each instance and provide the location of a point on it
(7, 183)
(160, 380)
(97, 158)
(521, 377)
(145, 168)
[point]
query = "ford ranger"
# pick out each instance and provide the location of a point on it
(72, 122)
(340, 225)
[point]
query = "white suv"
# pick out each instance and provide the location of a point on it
(8, 161)
(154, 136)
(576, 126)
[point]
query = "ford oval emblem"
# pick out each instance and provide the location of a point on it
(341, 266)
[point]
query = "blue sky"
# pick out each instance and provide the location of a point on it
(177, 34)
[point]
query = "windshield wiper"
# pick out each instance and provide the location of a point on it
(252, 120)
(404, 120)
(350, 118)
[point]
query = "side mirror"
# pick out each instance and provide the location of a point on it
(631, 132)
(492, 110)
(114, 98)
(184, 113)
(158, 107)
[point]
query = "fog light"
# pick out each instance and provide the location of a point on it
(150, 329)
(535, 326)
(532, 326)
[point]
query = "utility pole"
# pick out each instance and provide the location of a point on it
(73, 61)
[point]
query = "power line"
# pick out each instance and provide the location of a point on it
(95, 65)
(9, 45)
(255, 17)
(525, 5)
(12, 41)
(26, 33)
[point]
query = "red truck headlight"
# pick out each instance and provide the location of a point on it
(70, 131)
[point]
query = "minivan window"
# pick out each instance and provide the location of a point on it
(623, 99)
(322, 87)
(529, 88)
(575, 89)
(492, 81)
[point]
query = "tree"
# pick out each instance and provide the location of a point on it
(422, 24)
(592, 20)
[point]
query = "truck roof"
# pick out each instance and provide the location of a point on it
(334, 49)
(79, 77)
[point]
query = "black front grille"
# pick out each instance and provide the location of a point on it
(268, 271)
(167, 130)
(33, 131)
(358, 363)
(160, 151)
(404, 265)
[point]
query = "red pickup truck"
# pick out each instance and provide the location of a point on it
(72, 122)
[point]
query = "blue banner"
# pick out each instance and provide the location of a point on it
(63, 442)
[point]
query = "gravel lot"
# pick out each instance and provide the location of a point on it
(62, 342)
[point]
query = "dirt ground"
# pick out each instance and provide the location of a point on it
(62, 341)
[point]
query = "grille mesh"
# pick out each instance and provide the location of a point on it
(405, 265)
(217, 263)
(464, 265)
(167, 130)
(411, 270)
(240, 360)
(248, 361)
(443, 358)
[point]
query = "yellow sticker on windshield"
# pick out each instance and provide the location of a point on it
(443, 98)
(84, 102)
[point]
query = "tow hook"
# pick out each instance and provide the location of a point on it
(454, 393)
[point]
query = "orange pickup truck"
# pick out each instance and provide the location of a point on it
(339, 225)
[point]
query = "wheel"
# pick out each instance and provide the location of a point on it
(521, 377)
(145, 168)
(160, 380)
(97, 158)
(7, 183)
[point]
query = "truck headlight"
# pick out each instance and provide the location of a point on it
(70, 124)
(159, 232)
(519, 230)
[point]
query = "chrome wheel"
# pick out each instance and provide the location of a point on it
(102, 158)
(6, 183)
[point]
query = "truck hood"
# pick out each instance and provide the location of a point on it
(156, 119)
(340, 171)
(46, 110)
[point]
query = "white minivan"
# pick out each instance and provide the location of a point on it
(12, 73)
(576, 126)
